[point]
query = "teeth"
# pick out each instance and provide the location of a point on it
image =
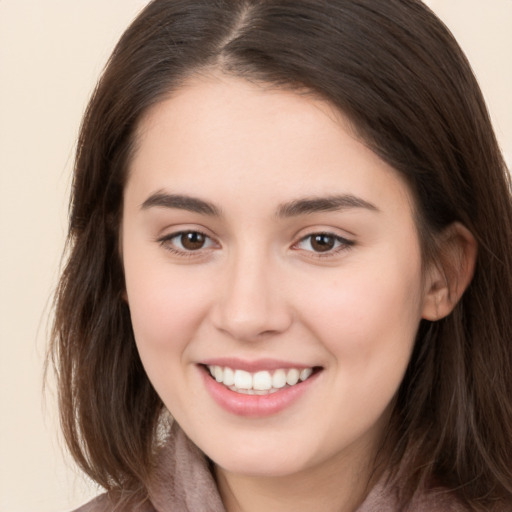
(243, 380)
(292, 377)
(262, 381)
(218, 373)
(229, 377)
(306, 373)
(279, 379)
(259, 383)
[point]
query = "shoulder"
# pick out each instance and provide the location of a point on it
(444, 500)
(103, 503)
(438, 500)
(385, 498)
(99, 504)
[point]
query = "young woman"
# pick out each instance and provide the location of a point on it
(289, 279)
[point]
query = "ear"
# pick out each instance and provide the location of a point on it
(449, 276)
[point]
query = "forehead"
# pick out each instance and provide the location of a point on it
(220, 132)
(212, 103)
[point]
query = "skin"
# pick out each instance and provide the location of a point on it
(257, 288)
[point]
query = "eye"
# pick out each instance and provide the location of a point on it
(187, 241)
(324, 243)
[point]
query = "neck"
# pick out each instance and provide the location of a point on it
(333, 486)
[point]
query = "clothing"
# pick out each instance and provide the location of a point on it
(184, 483)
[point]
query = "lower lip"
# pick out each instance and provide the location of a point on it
(255, 405)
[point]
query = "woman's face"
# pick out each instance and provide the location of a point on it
(263, 243)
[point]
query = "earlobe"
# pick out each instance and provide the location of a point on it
(451, 273)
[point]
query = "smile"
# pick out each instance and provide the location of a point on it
(261, 382)
(257, 389)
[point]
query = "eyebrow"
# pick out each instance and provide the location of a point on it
(303, 206)
(181, 202)
(310, 205)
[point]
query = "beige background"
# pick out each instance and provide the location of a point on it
(51, 52)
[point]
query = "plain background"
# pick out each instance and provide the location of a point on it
(51, 53)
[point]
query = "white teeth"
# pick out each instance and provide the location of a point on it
(263, 391)
(246, 391)
(218, 373)
(262, 381)
(243, 380)
(259, 383)
(279, 379)
(292, 377)
(229, 377)
(306, 373)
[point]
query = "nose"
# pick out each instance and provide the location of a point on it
(252, 303)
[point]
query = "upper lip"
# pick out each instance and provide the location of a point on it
(254, 365)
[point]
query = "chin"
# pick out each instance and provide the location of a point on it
(260, 461)
(268, 467)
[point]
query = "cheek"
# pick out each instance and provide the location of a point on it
(166, 314)
(368, 326)
(167, 305)
(368, 318)
(160, 311)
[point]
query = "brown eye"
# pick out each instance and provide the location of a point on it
(322, 243)
(185, 242)
(192, 240)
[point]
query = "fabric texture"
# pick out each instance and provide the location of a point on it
(183, 483)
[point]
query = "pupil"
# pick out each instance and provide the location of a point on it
(192, 241)
(322, 243)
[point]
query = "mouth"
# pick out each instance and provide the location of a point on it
(263, 382)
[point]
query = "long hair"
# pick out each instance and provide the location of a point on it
(397, 73)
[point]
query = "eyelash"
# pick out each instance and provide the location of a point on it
(343, 243)
(166, 242)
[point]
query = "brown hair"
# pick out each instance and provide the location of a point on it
(395, 70)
